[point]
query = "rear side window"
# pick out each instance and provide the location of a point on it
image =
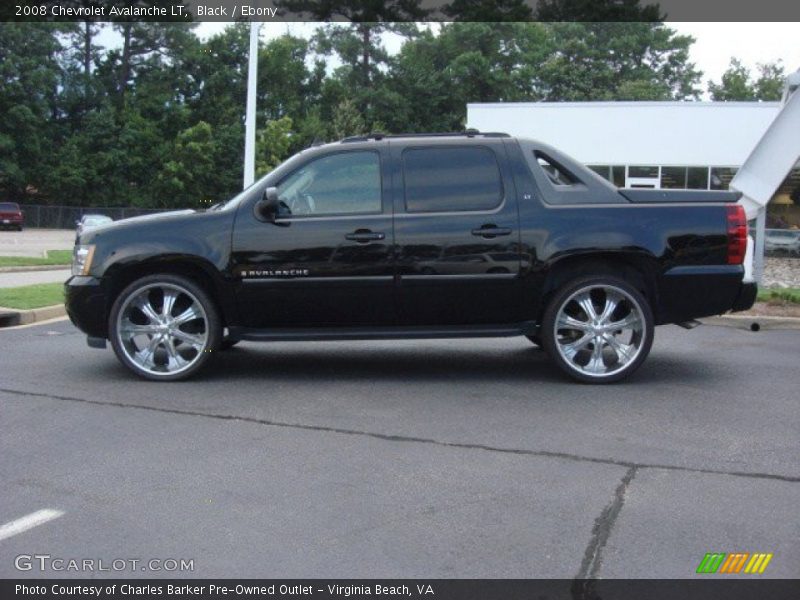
(557, 174)
(449, 179)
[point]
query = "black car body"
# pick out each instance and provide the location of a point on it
(394, 236)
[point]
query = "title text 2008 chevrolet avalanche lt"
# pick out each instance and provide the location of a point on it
(415, 236)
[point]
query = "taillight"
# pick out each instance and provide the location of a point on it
(737, 234)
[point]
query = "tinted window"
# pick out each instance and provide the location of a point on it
(557, 174)
(8, 206)
(451, 179)
(345, 183)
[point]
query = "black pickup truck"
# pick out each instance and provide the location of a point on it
(415, 236)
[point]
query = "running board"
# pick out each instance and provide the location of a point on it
(689, 324)
(379, 333)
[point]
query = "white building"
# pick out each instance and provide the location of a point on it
(695, 145)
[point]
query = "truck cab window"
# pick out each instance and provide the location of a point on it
(337, 184)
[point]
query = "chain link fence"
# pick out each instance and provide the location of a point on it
(64, 217)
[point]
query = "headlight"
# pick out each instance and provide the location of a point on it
(82, 259)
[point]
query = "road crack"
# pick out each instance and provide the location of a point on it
(406, 439)
(583, 587)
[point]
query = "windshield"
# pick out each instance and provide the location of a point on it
(259, 182)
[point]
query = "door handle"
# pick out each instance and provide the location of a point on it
(491, 231)
(362, 236)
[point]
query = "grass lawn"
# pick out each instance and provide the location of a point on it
(54, 257)
(32, 296)
(779, 296)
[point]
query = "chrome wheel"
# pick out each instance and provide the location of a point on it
(162, 329)
(599, 331)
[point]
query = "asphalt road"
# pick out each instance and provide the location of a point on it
(18, 278)
(470, 458)
(35, 242)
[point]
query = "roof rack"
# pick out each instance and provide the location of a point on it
(466, 133)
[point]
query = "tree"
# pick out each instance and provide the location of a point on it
(737, 83)
(357, 11)
(618, 61)
(29, 77)
(597, 11)
(347, 121)
(186, 179)
(358, 45)
(272, 144)
(488, 10)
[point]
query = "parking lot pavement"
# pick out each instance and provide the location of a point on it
(19, 278)
(34, 242)
(469, 458)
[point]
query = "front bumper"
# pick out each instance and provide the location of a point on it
(85, 301)
(746, 298)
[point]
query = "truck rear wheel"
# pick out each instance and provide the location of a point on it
(598, 329)
(164, 327)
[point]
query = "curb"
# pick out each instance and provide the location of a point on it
(10, 317)
(34, 268)
(748, 321)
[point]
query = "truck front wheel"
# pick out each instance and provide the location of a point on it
(598, 329)
(164, 327)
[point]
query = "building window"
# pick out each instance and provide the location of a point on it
(644, 172)
(673, 178)
(603, 170)
(618, 175)
(721, 177)
(697, 178)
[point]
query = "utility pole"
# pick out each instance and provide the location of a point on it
(250, 115)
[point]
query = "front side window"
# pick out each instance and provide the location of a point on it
(337, 184)
(449, 179)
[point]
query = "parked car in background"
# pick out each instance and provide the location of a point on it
(782, 241)
(89, 221)
(11, 215)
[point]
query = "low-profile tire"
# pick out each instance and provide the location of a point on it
(164, 327)
(598, 329)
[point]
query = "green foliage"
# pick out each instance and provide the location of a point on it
(272, 145)
(488, 10)
(32, 296)
(54, 257)
(158, 122)
(187, 178)
(347, 121)
(738, 84)
(779, 296)
(597, 11)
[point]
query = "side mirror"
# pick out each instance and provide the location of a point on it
(266, 209)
